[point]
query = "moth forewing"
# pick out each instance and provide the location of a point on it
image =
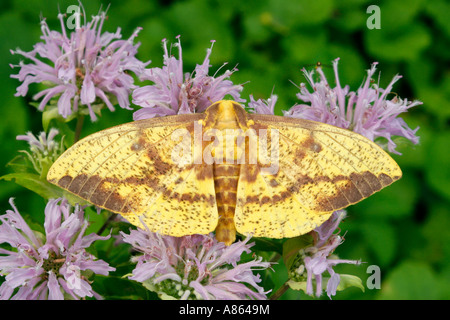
(269, 163)
(247, 143)
(182, 152)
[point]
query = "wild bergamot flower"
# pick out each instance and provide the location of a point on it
(261, 106)
(175, 92)
(195, 267)
(368, 111)
(53, 266)
(83, 70)
(44, 149)
(315, 260)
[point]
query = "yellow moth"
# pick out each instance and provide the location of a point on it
(224, 170)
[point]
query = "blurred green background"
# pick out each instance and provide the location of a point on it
(405, 229)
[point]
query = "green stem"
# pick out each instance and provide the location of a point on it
(80, 121)
(281, 290)
(275, 257)
(107, 222)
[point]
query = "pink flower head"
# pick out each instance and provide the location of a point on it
(44, 148)
(368, 111)
(175, 92)
(261, 106)
(86, 67)
(195, 267)
(51, 267)
(317, 259)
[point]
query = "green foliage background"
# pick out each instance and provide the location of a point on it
(405, 229)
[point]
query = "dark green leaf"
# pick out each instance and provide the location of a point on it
(291, 248)
(117, 288)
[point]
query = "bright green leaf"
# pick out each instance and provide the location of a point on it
(34, 183)
(348, 280)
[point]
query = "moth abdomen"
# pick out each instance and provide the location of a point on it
(225, 182)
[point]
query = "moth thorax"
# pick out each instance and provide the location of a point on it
(225, 181)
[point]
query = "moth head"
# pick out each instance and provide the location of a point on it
(226, 111)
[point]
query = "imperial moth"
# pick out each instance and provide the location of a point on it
(224, 170)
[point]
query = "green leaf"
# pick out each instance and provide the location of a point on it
(435, 231)
(118, 288)
(66, 132)
(396, 201)
(20, 163)
(346, 281)
(151, 287)
(263, 244)
(301, 12)
(256, 26)
(399, 13)
(402, 44)
(294, 285)
(48, 115)
(195, 37)
(381, 238)
(411, 280)
(45, 189)
(437, 169)
(438, 10)
(292, 246)
(312, 42)
(34, 183)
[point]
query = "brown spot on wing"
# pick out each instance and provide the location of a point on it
(351, 192)
(116, 202)
(77, 183)
(385, 179)
(273, 183)
(338, 201)
(311, 144)
(65, 181)
(137, 146)
(372, 180)
(361, 184)
(300, 154)
(161, 167)
(89, 186)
